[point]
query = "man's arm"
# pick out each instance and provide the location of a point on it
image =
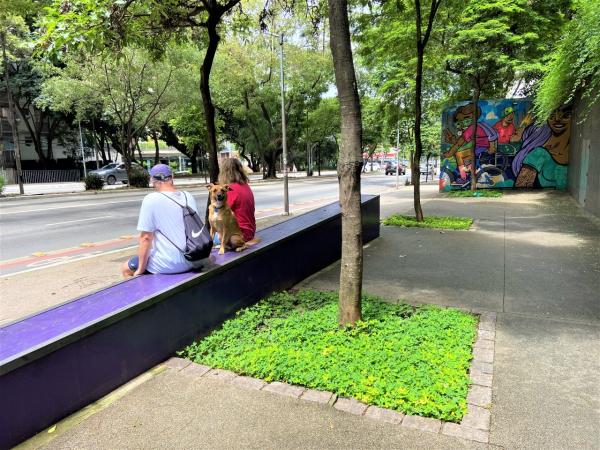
(146, 239)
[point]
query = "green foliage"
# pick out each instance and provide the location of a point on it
(575, 63)
(139, 178)
(445, 222)
(93, 182)
(2, 184)
(414, 361)
(477, 193)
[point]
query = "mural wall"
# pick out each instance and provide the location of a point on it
(510, 150)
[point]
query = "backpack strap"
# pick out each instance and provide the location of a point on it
(173, 200)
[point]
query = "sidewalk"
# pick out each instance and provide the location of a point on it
(533, 258)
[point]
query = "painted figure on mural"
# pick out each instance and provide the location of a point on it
(544, 154)
(507, 133)
(485, 140)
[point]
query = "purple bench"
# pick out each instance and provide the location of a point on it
(62, 359)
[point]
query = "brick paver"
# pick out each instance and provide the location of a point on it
(220, 375)
(482, 379)
(483, 334)
(484, 343)
(316, 396)
(385, 415)
(177, 363)
(284, 389)
(482, 366)
(249, 382)
(483, 355)
(487, 326)
(350, 405)
(197, 370)
(479, 395)
(477, 417)
(422, 423)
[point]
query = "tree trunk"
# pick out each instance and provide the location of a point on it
(209, 107)
(416, 169)
(156, 149)
(474, 139)
(349, 166)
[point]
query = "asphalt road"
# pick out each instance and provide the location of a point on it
(47, 230)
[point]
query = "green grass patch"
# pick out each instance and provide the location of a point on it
(477, 193)
(446, 222)
(413, 360)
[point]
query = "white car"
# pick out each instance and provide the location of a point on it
(375, 167)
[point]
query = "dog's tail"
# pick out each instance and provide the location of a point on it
(253, 241)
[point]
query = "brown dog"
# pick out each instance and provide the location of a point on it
(222, 220)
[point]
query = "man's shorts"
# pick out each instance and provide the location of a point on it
(134, 263)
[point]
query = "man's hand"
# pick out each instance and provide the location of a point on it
(138, 272)
(491, 150)
(450, 138)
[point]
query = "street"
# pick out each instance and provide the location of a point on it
(44, 231)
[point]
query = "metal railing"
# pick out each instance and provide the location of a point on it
(50, 176)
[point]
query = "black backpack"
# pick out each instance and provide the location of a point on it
(197, 238)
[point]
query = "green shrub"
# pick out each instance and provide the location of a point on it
(2, 184)
(413, 360)
(477, 193)
(93, 182)
(445, 222)
(139, 178)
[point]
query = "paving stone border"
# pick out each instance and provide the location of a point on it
(475, 425)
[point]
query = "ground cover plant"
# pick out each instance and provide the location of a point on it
(446, 222)
(478, 193)
(413, 360)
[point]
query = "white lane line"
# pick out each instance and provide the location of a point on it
(71, 206)
(68, 261)
(73, 221)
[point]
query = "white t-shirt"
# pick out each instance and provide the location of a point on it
(160, 213)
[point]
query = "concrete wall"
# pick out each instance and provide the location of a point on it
(583, 180)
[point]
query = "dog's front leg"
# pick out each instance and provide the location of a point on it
(223, 239)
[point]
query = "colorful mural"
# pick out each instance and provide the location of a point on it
(510, 150)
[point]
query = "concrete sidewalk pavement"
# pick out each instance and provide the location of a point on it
(532, 257)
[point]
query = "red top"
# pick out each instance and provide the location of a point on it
(505, 132)
(482, 139)
(241, 202)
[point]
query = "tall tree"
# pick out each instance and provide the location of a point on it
(349, 165)
(106, 27)
(575, 63)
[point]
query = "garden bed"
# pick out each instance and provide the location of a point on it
(477, 193)
(444, 222)
(413, 360)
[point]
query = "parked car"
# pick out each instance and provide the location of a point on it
(372, 167)
(390, 168)
(426, 168)
(113, 172)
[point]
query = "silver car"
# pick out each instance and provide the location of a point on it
(113, 172)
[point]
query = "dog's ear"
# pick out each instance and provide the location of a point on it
(209, 186)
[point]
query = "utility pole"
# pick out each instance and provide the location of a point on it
(285, 171)
(13, 113)
(82, 152)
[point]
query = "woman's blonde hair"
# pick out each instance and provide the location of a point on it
(232, 171)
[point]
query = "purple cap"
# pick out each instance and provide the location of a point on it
(161, 172)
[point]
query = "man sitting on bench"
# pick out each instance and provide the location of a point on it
(162, 229)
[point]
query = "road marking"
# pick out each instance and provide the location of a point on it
(73, 221)
(87, 244)
(69, 206)
(56, 255)
(64, 261)
(38, 254)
